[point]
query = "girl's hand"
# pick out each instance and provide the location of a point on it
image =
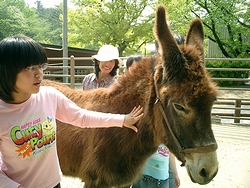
(176, 181)
(131, 118)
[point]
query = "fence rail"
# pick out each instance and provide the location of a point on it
(232, 108)
(224, 108)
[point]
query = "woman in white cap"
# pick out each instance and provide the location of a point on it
(106, 63)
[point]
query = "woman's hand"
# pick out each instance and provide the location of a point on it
(131, 118)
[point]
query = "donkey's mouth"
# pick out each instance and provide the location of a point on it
(189, 173)
(199, 178)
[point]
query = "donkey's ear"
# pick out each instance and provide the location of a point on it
(163, 34)
(195, 35)
(172, 58)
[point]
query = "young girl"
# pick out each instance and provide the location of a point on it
(28, 113)
(156, 170)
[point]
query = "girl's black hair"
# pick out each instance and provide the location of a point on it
(131, 59)
(97, 68)
(17, 53)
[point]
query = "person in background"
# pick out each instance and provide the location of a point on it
(174, 180)
(106, 63)
(160, 169)
(28, 113)
(131, 62)
(156, 173)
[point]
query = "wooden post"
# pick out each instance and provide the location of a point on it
(237, 111)
(72, 72)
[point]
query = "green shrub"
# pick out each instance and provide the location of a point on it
(228, 74)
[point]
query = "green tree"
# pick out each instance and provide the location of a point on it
(126, 24)
(50, 23)
(12, 19)
(226, 22)
(41, 24)
(178, 15)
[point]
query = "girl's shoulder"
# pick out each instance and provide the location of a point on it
(50, 93)
(48, 90)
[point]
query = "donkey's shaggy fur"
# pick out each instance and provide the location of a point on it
(103, 158)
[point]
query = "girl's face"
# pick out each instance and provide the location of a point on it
(28, 82)
(106, 66)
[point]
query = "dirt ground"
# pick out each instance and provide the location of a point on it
(233, 156)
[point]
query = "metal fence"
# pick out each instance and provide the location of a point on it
(236, 109)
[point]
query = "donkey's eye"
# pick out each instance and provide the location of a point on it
(179, 107)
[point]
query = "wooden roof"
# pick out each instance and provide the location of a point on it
(57, 51)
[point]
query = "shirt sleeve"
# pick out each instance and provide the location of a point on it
(5, 181)
(69, 112)
(83, 82)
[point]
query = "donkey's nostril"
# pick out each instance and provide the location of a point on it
(203, 173)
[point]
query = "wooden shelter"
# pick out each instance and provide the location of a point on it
(54, 51)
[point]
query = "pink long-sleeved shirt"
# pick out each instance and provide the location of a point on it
(28, 137)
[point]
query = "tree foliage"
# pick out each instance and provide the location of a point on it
(128, 24)
(226, 22)
(41, 24)
(123, 23)
(229, 74)
(12, 20)
(50, 23)
(179, 15)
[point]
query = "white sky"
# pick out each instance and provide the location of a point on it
(47, 3)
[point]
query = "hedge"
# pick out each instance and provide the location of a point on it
(228, 74)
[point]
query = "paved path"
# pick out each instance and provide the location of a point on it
(233, 155)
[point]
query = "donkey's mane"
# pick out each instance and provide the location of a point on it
(142, 76)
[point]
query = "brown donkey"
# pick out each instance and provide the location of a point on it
(177, 96)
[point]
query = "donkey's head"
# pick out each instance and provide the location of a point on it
(186, 95)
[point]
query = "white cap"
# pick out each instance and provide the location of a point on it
(107, 53)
